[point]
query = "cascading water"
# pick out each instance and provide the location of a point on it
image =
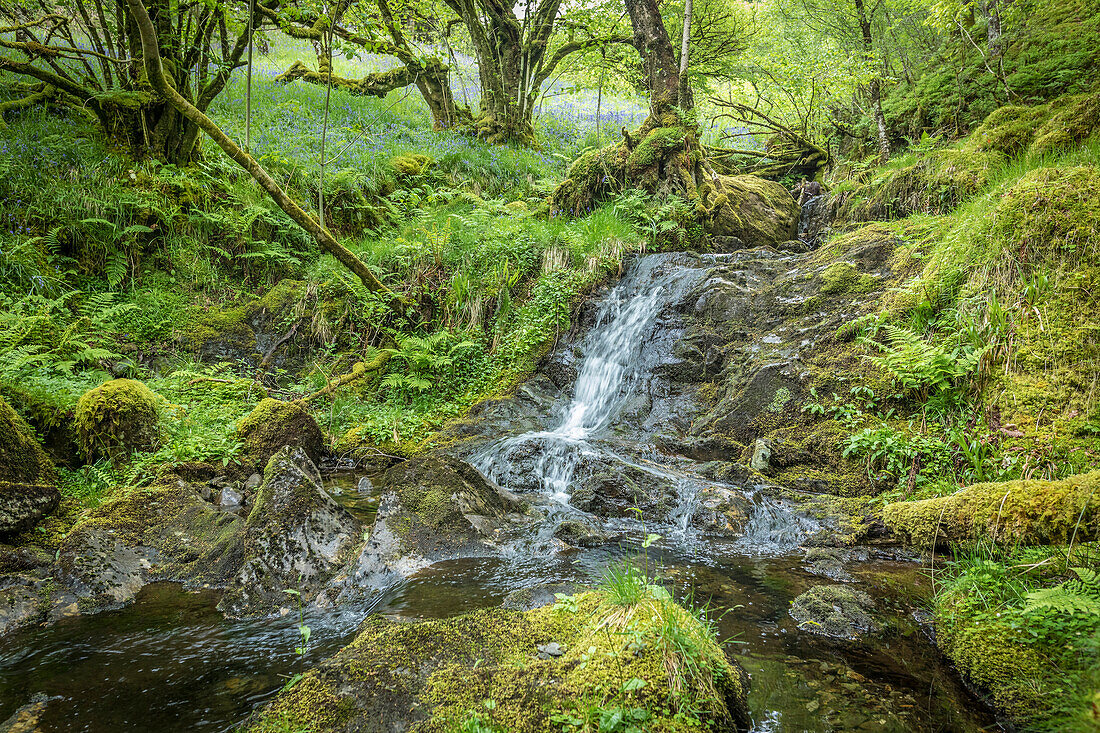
(613, 365)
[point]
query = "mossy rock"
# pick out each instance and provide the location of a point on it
(273, 424)
(1009, 513)
(433, 676)
(1072, 120)
(116, 419)
(757, 211)
(22, 459)
(1050, 215)
(412, 164)
(836, 611)
(843, 277)
(1009, 129)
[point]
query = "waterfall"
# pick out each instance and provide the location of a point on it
(614, 363)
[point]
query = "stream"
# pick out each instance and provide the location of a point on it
(171, 662)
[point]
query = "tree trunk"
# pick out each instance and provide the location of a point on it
(658, 58)
(993, 30)
(151, 59)
(685, 55)
(875, 87)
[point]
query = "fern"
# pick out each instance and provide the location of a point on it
(1080, 595)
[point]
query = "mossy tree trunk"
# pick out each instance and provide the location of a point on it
(514, 59)
(90, 60)
(151, 59)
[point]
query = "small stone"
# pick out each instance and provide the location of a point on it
(761, 454)
(553, 649)
(365, 486)
(253, 482)
(230, 498)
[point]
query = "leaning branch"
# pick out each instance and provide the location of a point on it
(155, 71)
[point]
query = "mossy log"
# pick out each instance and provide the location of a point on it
(1012, 512)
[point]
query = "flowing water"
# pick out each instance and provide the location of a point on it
(170, 662)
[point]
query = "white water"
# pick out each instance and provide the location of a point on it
(612, 367)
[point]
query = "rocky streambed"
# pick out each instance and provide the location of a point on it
(674, 409)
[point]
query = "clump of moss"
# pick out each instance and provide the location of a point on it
(1009, 129)
(650, 657)
(1074, 119)
(843, 277)
(412, 164)
(755, 210)
(1050, 215)
(22, 459)
(1012, 512)
(117, 418)
(273, 424)
(837, 611)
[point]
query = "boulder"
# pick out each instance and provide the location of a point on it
(835, 611)
(22, 459)
(117, 418)
(273, 424)
(721, 510)
(537, 667)
(432, 508)
(759, 212)
(22, 505)
(619, 490)
(161, 532)
(295, 539)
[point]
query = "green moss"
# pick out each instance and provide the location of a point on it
(1009, 130)
(1024, 512)
(755, 210)
(1073, 119)
(435, 675)
(843, 277)
(1050, 215)
(22, 459)
(655, 146)
(412, 164)
(117, 418)
(273, 424)
(995, 656)
(220, 325)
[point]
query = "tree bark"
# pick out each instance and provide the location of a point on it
(150, 54)
(874, 89)
(653, 44)
(685, 55)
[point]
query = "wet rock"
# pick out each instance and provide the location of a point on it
(424, 674)
(27, 717)
(365, 485)
(581, 533)
(274, 424)
(295, 538)
(836, 611)
(253, 482)
(230, 499)
(18, 559)
(721, 510)
(160, 532)
(22, 505)
(432, 508)
(830, 562)
(701, 447)
(622, 490)
(525, 599)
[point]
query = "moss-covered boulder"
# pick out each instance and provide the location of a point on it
(432, 508)
(541, 669)
(160, 532)
(756, 211)
(295, 538)
(22, 459)
(117, 418)
(1011, 512)
(274, 424)
(836, 611)
(27, 476)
